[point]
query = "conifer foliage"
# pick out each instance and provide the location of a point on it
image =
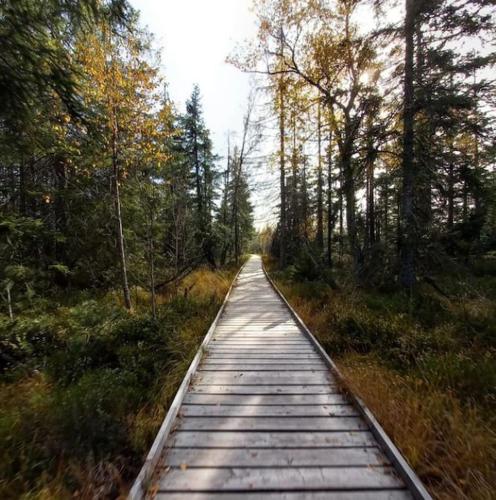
(104, 183)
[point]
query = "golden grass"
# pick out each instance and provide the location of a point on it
(25, 404)
(451, 446)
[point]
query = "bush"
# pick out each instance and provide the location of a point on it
(92, 414)
(85, 385)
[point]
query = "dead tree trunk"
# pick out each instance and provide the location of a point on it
(118, 216)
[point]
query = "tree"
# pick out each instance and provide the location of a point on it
(198, 149)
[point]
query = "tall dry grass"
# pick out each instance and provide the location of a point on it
(451, 446)
(88, 386)
(428, 375)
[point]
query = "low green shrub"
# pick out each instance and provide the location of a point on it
(85, 386)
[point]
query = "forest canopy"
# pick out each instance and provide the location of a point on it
(385, 116)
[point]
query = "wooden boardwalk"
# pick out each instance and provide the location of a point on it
(264, 417)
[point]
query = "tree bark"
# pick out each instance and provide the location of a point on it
(295, 209)
(341, 209)
(151, 252)
(370, 187)
(408, 242)
(351, 228)
(330, 215)
(451, 195)
(118, 217)
(282, 176)
(320, 184)
(386, 214)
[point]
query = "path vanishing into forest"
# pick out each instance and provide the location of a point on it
(261, 414)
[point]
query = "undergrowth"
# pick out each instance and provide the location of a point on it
(426, 366)
(84, 385)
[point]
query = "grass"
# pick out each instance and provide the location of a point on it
(425, 366)
(84, 385)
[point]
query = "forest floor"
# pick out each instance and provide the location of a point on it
(85, 385)
(425, 366)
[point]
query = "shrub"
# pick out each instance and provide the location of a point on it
(85, 386)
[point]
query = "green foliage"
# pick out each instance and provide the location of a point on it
(34, 42)
(451, 343)
(85, 383)
(91, 415)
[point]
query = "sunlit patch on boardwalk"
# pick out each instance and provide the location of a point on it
(264, 416)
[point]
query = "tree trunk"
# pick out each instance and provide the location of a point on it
(282, 176)
(408, 243)
(320, 184)
(424, 135)
(351, 228)
(237, 246)
(22, 187)
(341, 208)
(9, 303)
(330, 214)
(386, 214)
(304, 201)
(295, 215)
(370, 187)
(118, 217)
(225, 203)
(451, 195)
(60, 207)
(151, 252)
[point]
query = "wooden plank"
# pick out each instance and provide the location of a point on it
(272, 329)
(244, 378)
(264, 389)
(265, 356)
(260, 350)
(261, 367)
(264, 399)
(246, 457)
(244, 347)
(263, 336)
(265, 324)
(288, 495)
(140, 485)
(247, 410)
(276, 439)
(262, 362)
(301, 478)
(418, 490)
(261, 341)
(260, 344)
(272, 424)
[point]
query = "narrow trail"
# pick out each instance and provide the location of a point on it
(264, 417)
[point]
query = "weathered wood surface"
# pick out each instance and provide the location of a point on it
(264, 417)
(400, 494)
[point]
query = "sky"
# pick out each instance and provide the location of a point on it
(195, 37)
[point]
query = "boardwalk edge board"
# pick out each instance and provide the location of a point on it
(141, 483)
(411, 479)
